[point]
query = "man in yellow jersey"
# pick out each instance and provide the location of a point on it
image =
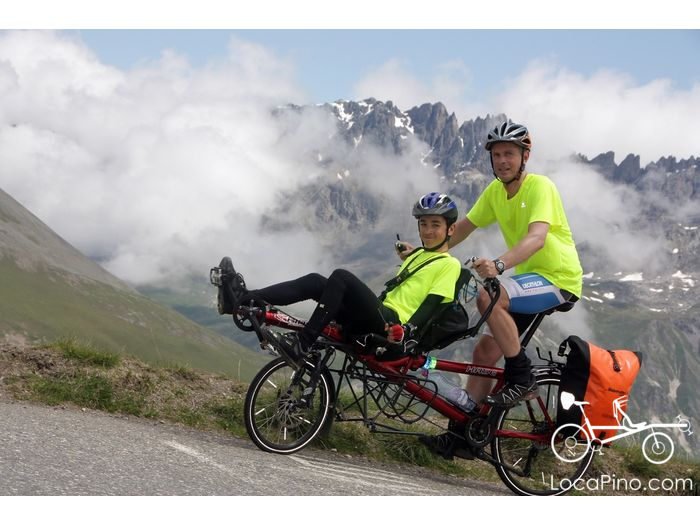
(530, 214)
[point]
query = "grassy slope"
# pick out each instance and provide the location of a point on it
(47, 305)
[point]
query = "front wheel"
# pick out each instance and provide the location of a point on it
(285, 409)
(526, 461)
(657, 448)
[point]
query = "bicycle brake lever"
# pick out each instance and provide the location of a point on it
(492, 283)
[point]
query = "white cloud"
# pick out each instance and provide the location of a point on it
(567, 112)
(158, 171)
(163, 169)
(394, 80)
(570, 112)
(604, 216)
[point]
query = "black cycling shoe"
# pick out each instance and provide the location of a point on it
(513, 393)
(231, 286)
(447, 445)
(287, 346)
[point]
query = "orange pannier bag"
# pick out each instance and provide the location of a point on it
(599, 377)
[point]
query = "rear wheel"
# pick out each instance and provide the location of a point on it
(528, 464)
(283, 411)
(570, 443)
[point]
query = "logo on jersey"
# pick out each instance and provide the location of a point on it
(532, 284)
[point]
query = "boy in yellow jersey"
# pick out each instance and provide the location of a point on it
(428, 277)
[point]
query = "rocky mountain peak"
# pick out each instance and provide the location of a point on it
(629, 170)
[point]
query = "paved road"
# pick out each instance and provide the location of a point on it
(55, 451)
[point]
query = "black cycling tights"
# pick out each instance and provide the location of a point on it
(341, 297)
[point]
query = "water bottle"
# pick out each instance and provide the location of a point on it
(453, 393)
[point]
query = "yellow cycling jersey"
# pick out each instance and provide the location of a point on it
(537, 200)
(438, 278)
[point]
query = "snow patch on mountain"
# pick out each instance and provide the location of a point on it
(342, 114)
(633, 277)
(685, 279)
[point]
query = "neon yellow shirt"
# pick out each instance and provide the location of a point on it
(438, 278)
(537, 200)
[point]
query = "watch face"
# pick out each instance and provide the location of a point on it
(500, 266)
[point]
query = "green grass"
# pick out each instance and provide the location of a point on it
(190, 417)
(228, 415)
(638, 465)
(184, 372)
(44, 305)
(88, 390)
(86, 353)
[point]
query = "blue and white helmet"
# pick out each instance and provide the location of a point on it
(435, 203)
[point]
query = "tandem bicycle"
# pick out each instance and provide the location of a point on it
(288, 406)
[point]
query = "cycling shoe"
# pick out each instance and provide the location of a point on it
(230, 284)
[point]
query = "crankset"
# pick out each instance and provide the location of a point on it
(480, 431)
(249, 313)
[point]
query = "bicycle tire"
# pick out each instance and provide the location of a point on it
(656, 451)
(566, 444)
(546, 475)
(279, 415)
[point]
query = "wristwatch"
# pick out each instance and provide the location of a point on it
(500, 266)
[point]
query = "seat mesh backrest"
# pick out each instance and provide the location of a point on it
(452, 321)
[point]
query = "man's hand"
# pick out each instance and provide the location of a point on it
(486, 268)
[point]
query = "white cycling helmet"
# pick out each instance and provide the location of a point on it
(509, 132)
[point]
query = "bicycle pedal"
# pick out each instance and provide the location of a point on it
(269, 348)
(215, 276)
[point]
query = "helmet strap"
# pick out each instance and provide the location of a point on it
(434, 249)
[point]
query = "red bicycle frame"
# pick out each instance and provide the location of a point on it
(399, 367)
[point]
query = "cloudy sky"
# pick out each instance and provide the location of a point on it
(149, 150)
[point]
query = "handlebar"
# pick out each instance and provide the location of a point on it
(493, 288)
(492, 284)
